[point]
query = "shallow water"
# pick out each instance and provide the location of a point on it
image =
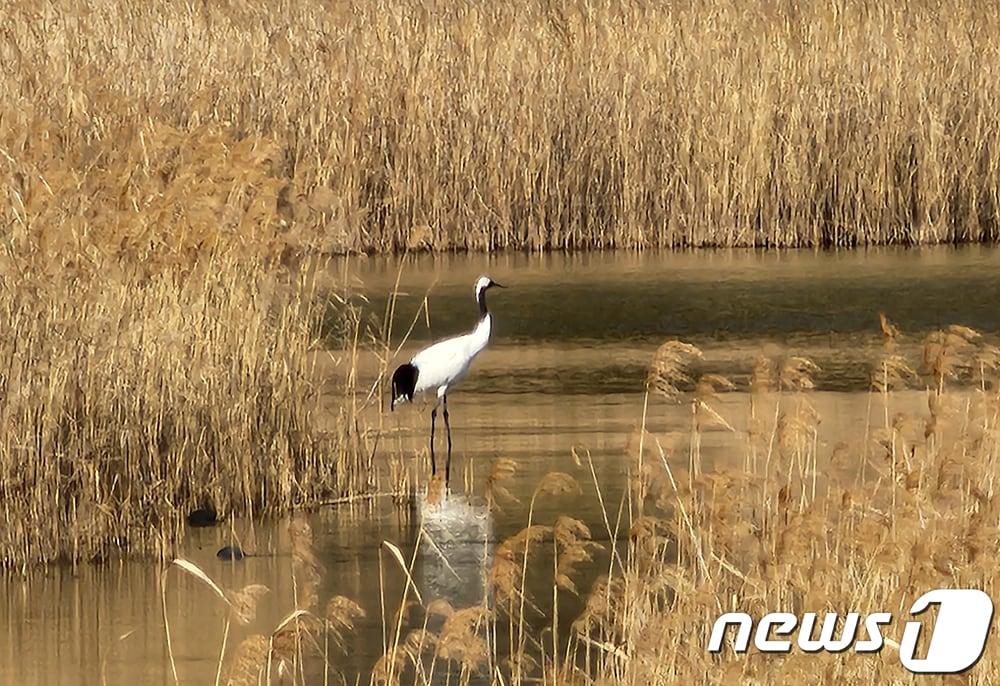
(573, 336)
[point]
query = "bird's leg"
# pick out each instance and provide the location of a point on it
(434, 414)
(447, 426)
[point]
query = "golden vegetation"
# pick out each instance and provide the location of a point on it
(132, 397)
(450, 125)
(797, 525)
(160, 164)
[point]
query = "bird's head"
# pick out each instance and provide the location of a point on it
(484, 283)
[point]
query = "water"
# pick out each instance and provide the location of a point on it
(573, 337)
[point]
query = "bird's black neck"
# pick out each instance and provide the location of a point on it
(481, 297)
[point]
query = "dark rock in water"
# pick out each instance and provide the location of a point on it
(230, 553)
(203, 516)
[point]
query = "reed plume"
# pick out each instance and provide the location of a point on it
(797, 373)
(244, 602)
(573, 548)
(501, 471)
(249, 662)
(668, 370)
(949, 353)
(306, 568)
(461, 638)
(340, 615)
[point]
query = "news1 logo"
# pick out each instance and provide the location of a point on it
(957, 639)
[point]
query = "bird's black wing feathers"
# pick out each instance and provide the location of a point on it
(404, 382)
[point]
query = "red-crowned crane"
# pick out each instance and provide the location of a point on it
(442, 365)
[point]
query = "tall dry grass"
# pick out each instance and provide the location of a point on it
(801, 524)
(134, 394)
(866, 522)
(373, 126)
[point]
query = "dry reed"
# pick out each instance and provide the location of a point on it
(770, 535)
(135, 394)
(532, 125)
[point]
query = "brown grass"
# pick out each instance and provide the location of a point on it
(163, 164)
(865, 525)
(137, 393)
(452, 125)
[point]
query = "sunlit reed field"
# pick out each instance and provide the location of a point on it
(152, 127)
(131, 399)
(167, 168)
(800, 524)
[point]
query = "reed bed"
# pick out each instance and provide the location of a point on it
(164, 166)
(864, 523)
(134, 395)
(795, 523)
(534, 125)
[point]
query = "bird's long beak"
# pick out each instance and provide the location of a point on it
(498, 285)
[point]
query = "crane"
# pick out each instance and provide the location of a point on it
(442, 365)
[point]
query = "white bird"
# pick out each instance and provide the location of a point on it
(442, 365)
